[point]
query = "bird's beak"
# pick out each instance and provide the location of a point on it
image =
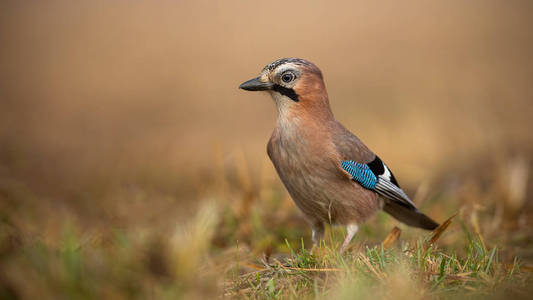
(256, 85)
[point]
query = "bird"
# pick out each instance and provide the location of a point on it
(330, 174)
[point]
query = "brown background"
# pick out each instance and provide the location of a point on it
(114, 92)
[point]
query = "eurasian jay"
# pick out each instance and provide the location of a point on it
(330, 174)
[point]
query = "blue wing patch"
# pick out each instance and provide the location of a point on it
(360, 173)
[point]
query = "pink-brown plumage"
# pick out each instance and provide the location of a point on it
(307, 161)
(308, 146)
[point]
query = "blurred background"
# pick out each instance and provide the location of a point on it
(120, 120)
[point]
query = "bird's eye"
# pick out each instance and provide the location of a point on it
(287, 77)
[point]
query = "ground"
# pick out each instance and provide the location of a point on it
(242, 241)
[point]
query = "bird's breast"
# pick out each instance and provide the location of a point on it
(308, 163)
(306, 166)
(300, 151)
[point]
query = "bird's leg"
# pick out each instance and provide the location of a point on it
(351, 229)
(318, 234)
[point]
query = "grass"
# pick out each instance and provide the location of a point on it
(240, 236)
(407, 271)
(255, 245)
(186, 267)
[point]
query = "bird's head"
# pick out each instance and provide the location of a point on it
(293, 83)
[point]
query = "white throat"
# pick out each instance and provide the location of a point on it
(283, 104)
(288, 121)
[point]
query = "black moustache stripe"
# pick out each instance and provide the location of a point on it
(286, 92)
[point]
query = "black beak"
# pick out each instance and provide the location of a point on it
(256, 85)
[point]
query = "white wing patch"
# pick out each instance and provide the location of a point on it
(387, 173)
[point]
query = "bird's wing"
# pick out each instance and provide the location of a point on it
(366, 168)
(376, 176)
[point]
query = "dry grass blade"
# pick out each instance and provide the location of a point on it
(392, 237)
(459, 276)
(438, 232)
(367, 262)
(280, 265)
(314, 269)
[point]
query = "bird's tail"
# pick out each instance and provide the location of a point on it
(409, 216)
